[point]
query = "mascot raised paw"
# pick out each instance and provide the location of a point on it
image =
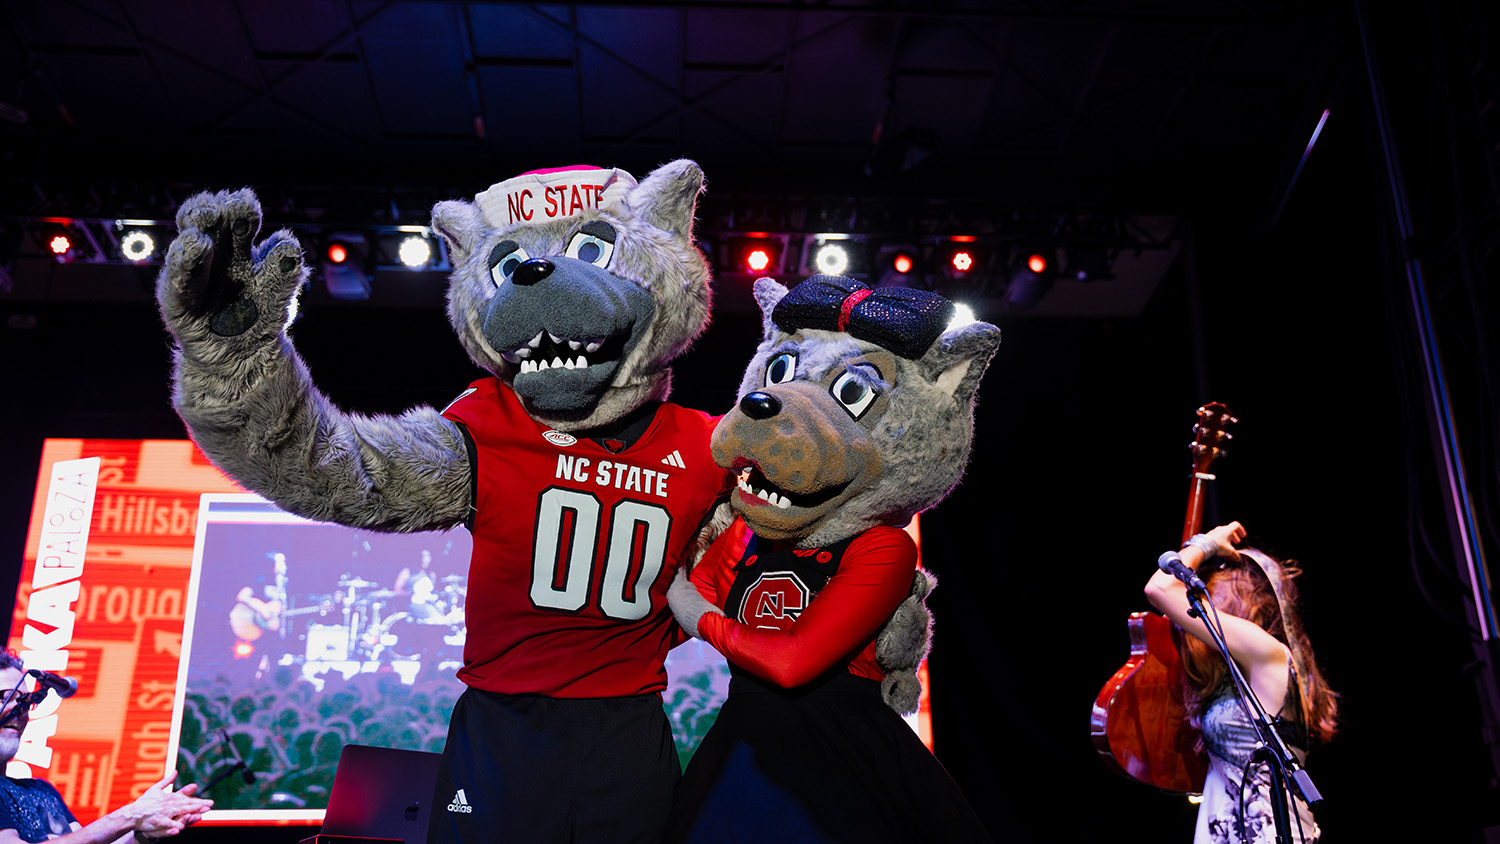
(584, 489)
(855, 414)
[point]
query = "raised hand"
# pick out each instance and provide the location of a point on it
(218, 287)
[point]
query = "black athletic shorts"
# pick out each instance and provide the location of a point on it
(529, 768)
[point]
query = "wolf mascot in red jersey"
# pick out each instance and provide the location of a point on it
(574, 289)
(855, 414)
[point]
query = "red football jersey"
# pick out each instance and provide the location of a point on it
(574, 547)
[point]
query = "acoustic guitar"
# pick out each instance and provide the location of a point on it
(1139, 722)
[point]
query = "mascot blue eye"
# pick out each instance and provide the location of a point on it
(781, 369)
(506, 256)
(853, 394)
(590, 249)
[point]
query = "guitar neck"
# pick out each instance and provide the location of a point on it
(1193, 522)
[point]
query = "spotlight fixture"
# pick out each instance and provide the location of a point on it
(755, 253)
(896, 265)
(1032, 278)
(961, 256)
(415, 251)
(60, 245)
(757, 260)
(346, 273)
(832, 259)
(137, 246)
(962, 315)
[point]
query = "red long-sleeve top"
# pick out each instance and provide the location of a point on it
(776, 631)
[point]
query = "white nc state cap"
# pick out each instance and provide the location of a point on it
(544, 195)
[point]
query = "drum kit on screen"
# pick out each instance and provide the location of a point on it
(363, 623)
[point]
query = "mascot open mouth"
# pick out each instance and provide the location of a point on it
(549, 351)
(755, 484)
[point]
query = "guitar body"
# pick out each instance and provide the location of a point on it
(242, 620)
(1138, 723)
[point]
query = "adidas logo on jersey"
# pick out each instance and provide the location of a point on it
(674, 459)
(460, 803)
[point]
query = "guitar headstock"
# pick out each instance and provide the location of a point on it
(1211, 435)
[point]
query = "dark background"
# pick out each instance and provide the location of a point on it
(1288, 299)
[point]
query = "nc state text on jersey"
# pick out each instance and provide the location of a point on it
(621, 476)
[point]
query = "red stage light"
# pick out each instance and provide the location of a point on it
(59, 244)
(758, 259)
(1037, 263)
(963, 261)
(902, 264)
(337, 253)
(243, 650)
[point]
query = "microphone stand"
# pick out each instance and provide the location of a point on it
(239, 764)
(1273, 748)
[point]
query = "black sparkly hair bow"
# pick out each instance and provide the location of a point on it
(903, 320)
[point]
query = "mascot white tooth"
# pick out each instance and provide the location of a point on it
(575, 289)
(855, 414)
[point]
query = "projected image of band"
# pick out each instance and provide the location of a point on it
(302, 637)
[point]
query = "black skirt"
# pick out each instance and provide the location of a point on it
(826, 762)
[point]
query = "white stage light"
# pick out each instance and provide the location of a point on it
(415, 251)
(137, 246)
(962, 315)
(832, 259)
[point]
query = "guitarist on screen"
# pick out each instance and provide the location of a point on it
(252, 615)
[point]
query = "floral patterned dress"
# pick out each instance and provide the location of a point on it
(1230, 737)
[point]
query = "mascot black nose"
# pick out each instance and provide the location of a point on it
(760, 405)
(532, 271)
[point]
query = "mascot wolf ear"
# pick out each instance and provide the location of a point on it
(669, 196)
(768, 291)
(958, 359)
(460, 225)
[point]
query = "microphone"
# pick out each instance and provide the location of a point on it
(64, 686)
(1172, 564)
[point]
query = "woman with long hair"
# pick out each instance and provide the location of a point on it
(1254, 598)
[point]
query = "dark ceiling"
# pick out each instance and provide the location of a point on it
(1062, 101)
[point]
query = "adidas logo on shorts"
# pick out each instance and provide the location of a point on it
(460, 803)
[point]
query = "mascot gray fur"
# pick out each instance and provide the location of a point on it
(829, 474)
(250, 404)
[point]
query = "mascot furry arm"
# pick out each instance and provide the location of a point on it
(855, 414)
(250, 403)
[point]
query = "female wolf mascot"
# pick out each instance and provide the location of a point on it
(855, 414)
